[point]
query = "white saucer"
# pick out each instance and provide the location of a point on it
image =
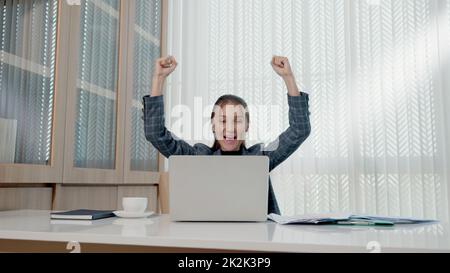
(127, 214)
(133, 222)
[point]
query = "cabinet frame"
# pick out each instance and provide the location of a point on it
(61, 167)
(73, 174)
(18, 173)
(134, 176)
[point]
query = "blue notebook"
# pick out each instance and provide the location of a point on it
(82, 214)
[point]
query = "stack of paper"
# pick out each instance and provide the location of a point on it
(308, 218)
(343, 219)
(394, 220)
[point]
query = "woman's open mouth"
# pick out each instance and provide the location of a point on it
(230, 140)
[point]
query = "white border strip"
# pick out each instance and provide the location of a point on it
(86, 86)
(146, 35)
(106, 8)
(24, 64)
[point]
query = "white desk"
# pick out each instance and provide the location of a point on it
(32, 231)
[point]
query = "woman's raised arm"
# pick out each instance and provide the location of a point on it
(299, 124)
(154, 120)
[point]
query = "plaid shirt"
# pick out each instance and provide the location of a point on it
(277, 151)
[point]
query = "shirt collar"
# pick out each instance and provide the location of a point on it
(243, 151)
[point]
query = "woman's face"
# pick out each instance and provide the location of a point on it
(229, 126)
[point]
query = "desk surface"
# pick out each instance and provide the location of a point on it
(159, 231)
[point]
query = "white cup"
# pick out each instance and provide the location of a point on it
(134, 204)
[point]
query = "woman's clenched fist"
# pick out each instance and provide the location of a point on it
(164, 67)
(281, 66)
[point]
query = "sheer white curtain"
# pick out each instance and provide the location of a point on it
(378, 96)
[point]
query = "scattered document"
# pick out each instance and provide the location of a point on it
(308, 218)
(343, 219)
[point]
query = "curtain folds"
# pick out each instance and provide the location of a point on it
(374, 72)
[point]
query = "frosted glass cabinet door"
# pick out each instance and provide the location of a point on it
(27, 80)
(97, 84)
(146, 49)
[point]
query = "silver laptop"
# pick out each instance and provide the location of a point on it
(218, 188)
